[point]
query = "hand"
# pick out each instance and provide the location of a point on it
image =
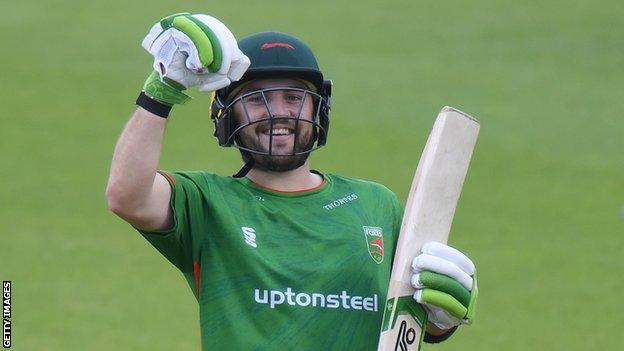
(191, 50)
(446, 285)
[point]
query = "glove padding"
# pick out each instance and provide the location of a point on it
(195, 50)
(446, 285)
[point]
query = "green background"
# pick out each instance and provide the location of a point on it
(542, 212)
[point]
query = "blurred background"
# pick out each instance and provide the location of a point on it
(542, 211)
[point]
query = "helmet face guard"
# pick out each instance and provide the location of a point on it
(238, 116)
(253, 122)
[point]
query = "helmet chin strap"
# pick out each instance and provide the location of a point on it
(245, 169)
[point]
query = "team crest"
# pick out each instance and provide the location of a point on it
(374, 241)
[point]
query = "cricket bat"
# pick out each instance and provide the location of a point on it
(428, 216)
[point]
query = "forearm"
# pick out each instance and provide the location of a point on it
(134, 164)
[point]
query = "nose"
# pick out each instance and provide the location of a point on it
(280, 107)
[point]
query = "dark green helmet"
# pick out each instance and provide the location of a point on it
(273, 55)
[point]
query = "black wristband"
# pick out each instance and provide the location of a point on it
(154, 106)
(434, 339)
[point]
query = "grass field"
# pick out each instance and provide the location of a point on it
(542, 212)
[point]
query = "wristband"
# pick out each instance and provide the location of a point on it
(434, 339)
(165, 90)
(152, 105)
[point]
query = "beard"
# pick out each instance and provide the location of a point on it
(277, 163)
(282, 162)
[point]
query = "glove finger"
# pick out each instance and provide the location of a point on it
(156, 45)
(442, 283)
(185, 44)
(178, 72)
(426, 262)
(450, 254)
(219, 82)
(181, 40)
(236, 72)
(167, 44)
(151, 37)
(442, 300)
(167, 56)
(239, 67)
(440, 318)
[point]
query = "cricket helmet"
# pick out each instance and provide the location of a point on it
(273, 55)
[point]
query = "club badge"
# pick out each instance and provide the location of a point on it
(374, 241)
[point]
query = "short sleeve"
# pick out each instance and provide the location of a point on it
(181, 243)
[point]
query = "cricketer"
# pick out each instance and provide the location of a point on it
(280, 256)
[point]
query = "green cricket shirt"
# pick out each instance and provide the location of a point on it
(283, 271)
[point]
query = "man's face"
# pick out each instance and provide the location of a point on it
(280, 122)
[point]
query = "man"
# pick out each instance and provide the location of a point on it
(279, 256)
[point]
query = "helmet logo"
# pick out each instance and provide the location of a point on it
(276, 45)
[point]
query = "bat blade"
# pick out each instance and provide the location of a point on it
(428, 216)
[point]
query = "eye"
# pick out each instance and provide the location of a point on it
(255, 99)
(294, 96)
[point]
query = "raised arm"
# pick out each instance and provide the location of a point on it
(189, 51)
(135, 191)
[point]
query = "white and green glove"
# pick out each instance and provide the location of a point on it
(446, 285)
(191, 51)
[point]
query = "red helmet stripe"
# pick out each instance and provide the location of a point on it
(276, 45)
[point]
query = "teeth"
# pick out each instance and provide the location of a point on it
(278, 131)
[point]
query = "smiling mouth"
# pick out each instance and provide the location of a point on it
(278, 131)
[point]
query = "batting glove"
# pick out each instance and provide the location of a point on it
(191, 51)
(446, 285)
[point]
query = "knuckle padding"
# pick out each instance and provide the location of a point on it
(444, 301)
(198, 36)
(426, 262)
(447, 285)
(215, 43)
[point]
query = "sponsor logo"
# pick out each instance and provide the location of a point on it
(405, 337)
(274, 298)
(249, 234)
(374, 242)
(339, 202)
